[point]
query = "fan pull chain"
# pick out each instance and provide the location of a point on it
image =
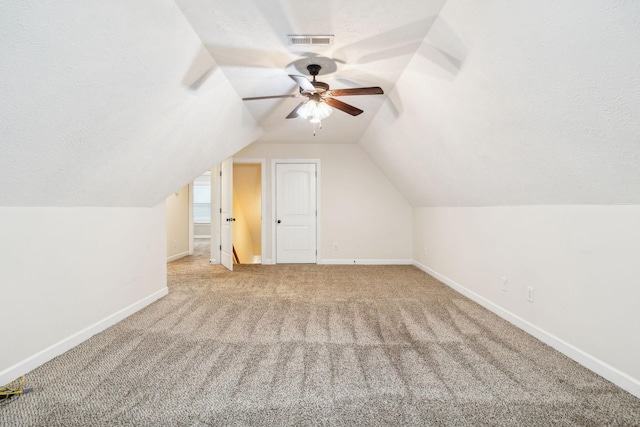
(314, 127)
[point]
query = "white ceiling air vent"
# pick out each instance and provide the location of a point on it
(317, 40)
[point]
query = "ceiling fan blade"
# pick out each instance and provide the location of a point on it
(271, 97)
(349, 109)
(357, 91)
(294, 113)
(303, 83)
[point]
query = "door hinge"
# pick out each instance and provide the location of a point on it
(220, 210)
(221, 174)
(220, 247)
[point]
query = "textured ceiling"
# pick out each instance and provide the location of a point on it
(486, 102)
(374, 41)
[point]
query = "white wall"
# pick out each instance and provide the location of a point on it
(361, 210)
(178, 224)
(68, 273)
(242, 237)
(582, 261)
(202, 230)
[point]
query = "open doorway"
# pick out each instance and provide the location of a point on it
(202, 214)
(247, 211)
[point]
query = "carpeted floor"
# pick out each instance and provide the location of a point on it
(314, 345)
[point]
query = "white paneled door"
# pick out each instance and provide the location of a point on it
(296, 214)
(226, 214)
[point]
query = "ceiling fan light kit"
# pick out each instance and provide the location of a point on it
(320, 98)
(315, 111)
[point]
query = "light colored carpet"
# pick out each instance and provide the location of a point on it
(314, 345)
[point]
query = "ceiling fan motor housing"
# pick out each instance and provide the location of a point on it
(320, 87)
(314, 69)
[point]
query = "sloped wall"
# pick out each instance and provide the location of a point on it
(101, 99)
(107, 108)
(517, 103)
(509, 130)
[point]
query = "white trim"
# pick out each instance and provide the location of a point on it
(191, 224)
(202, 236)
(178, 256)
(75, 339)
(214, 247)
(366, 262)
(596, 365)
(318, 205)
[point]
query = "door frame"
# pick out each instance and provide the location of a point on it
(274, 162)
(216, 183)
(226, 227)
(263, 200)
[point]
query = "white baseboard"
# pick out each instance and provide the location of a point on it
(594, 364)
(178, 256)
(68, 343)
(365, 261)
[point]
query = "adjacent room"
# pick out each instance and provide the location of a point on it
(294, 213)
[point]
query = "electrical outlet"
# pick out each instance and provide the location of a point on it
(504, 284)
(529, 294)
(335, 246)
(425, 251)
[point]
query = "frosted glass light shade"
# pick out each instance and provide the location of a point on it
(315, 111)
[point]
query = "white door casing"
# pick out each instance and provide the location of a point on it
(296, 213)
(226, 214)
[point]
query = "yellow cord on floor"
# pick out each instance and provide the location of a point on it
(14, 388)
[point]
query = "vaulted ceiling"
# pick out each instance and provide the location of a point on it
(373, 43)
(486, 102)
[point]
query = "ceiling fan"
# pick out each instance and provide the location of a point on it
(320, 98)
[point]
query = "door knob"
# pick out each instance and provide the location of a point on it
(279, 221)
